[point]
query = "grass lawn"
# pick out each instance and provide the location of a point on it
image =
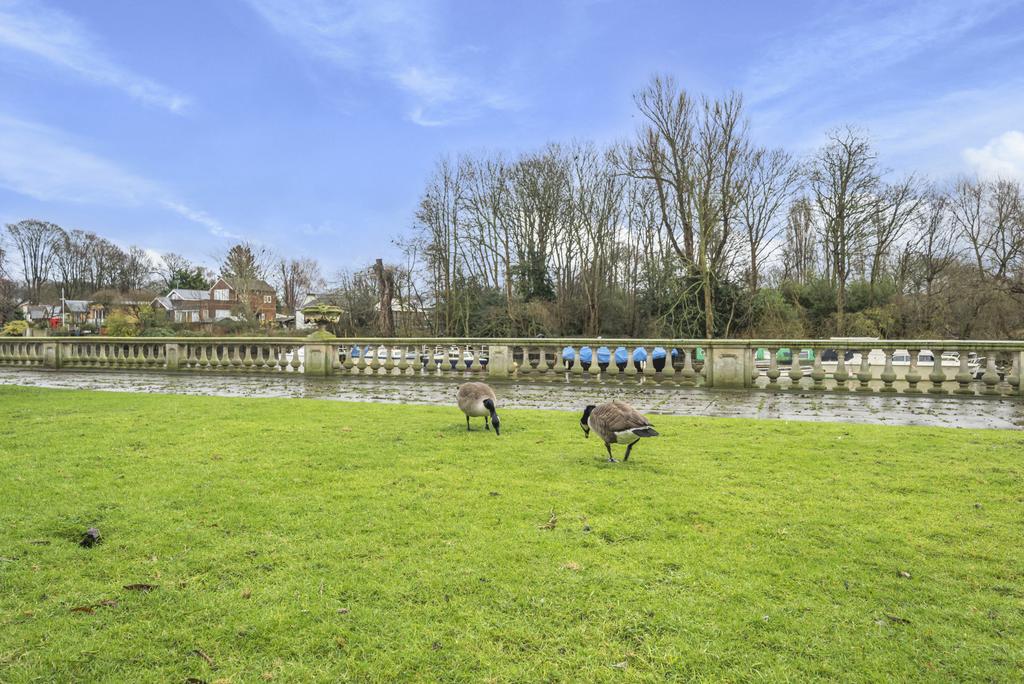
(300, 540)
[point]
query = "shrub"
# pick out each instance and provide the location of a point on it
(122, 324)
(15, 329)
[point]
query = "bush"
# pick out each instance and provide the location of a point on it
(14, 329)
(121, 324)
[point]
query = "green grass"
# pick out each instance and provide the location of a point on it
(299, 540)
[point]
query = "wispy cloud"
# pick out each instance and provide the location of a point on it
(392, 40)
(40, 162)
(828, 54)
(57, 38)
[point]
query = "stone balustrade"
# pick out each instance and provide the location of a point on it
(935, 367)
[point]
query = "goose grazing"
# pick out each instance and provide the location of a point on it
(616, 422)
(477, 399)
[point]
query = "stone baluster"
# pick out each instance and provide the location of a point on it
(817, 372)
(403, 360)
(542, 363)
(524, 368)
(913, 376)
(559, 367)
(689, 374)
(648, 368)
(613, 374)
(389, 361)
(991, 376)
(668, 373)
(577, 364)
(963, 374)
(796, 371)
(773, 373)
(1013, 377)
(374, 360)
(888, 374)
(841, 375)
(938, 375)
(864, 373)
(630, 371)
(296, 362)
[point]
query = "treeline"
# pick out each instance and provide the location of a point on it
(51, 261)
(691, 229)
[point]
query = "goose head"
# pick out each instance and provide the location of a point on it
(584, 421)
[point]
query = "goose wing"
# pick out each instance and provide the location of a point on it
(617, 416)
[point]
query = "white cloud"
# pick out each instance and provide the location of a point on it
(40, 162)
(59, 39)
(390, 40)
(1002, 157)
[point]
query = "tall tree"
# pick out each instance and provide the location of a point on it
(296, 277)
(36, 243)
(845, 183)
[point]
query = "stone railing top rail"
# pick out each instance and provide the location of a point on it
(851, 343)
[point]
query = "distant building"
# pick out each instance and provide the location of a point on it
(231, 296)
(183, 306)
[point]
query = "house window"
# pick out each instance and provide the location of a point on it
(220, 295)
(195, 316)
(222, 313)
(268, 299)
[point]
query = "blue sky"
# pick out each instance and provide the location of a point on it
(311, 125)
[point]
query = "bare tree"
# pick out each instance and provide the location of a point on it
(386, 291)
(296, 277)
(36, 242)
(844, 182)
(771, 180)
(898, 204)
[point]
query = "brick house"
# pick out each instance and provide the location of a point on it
(230, 297)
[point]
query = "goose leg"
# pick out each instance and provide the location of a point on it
(467, 423)
(608, 446)
(487, 423)
(628, 448)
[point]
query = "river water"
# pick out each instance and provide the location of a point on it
(993, 413)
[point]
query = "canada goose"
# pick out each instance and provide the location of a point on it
(616, 422)
(477, 399)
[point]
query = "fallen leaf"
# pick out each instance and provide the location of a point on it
(621, 666)
(346, 429)
(551, 523)
(204, 656)
(246, 593)
(573, 565)
(141, 586)
(495, 494)
(904, 574)
(897, 618)
(194, 680)
(108, 603)
(436, 645)
(343, 611)
(266, 676)
(40, 542)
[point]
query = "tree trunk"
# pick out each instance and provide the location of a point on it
(386, 289)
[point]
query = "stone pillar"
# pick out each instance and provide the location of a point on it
(51, 355)
(172, 354)
(499, 362)
(729, 366)
(317, 359)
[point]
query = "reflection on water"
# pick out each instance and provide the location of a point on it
(850, 408)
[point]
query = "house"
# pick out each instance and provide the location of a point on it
(72, 311)
(183, 306)
(245, 296)
(34, 313)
